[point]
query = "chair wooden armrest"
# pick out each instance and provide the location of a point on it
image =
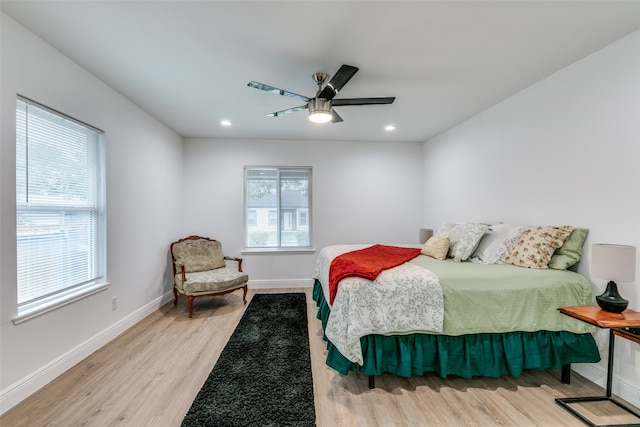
(239, 260)
(184, 274)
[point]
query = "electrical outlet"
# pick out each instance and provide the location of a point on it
(114, 303)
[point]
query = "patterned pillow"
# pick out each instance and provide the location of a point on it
(536, 245)
(436, 247)
(463, 238)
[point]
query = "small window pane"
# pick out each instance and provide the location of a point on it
(251, 218)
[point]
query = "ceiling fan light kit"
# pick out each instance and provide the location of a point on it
(320, 110)
(321, 106)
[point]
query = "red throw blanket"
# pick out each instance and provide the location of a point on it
(367, 263)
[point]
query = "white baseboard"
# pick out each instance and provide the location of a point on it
(22, 389)
(280, 283)
(598, 375)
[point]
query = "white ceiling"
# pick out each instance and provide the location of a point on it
(188, 62)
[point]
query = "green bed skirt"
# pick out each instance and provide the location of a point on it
(489, 355)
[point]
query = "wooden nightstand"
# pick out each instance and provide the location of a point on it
(615, 322)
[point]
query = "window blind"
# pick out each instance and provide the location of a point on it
(59, 203)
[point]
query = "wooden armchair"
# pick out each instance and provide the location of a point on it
(199, 270)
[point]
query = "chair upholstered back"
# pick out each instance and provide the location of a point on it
(198, 255)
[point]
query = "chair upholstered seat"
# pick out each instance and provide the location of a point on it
(199, 269)
(211, 280)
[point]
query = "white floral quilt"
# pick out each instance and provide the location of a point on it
(403, 299)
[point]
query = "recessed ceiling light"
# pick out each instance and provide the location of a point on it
(389, 128)
(225, 123)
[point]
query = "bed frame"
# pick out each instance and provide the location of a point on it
(561, 349)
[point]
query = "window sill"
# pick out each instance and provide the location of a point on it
(53, 303)
(254, 251)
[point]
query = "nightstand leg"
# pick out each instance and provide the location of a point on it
(567, 401)
(610, 364)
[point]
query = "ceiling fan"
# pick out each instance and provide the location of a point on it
(321, 106)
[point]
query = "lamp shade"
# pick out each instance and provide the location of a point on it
(425, 234)
(616, 263)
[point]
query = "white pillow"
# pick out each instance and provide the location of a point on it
(463, 238)
(496, 244)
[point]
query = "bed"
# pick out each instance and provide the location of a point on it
(477, 319)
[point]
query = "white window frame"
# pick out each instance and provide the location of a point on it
(90, 277)
(278, 225)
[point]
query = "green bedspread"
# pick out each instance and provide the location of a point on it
(482, 298)
(490, 354)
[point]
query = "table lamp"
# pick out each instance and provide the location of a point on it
(615, 263)
(425, 234)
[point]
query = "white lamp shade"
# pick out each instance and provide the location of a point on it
(615, 263)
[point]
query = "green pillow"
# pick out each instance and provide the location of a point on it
(570, 252)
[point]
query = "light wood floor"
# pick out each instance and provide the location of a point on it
(150, 374)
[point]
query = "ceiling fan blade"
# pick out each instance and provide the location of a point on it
(277, 91)
(287, 111)
(338, 81)
(335, 117)
(362, 101)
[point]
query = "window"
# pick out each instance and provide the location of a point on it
(302, 218)
(251, 217)
(60, 212)
(273, 217)
(281, 199)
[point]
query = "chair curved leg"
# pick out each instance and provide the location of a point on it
(244, 295)
(175, 296)
(190, 305)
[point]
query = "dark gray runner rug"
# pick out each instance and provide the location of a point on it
(263, 376)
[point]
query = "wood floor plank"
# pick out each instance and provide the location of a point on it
(150, 374)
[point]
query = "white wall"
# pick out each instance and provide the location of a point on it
(144, 170)
(563, 151)
(363, 192)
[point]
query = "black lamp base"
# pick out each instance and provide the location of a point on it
(610, 300)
